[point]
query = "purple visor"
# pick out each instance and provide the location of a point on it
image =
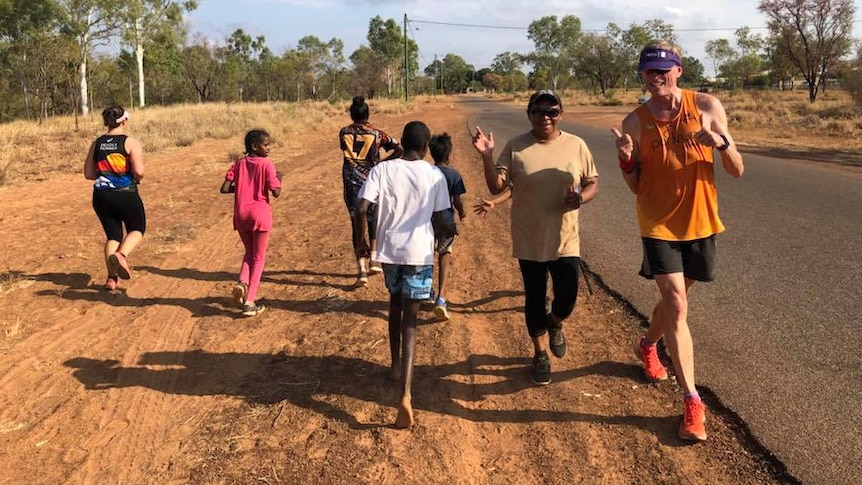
(658, 59)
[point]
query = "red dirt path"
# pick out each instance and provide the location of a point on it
(163, 382)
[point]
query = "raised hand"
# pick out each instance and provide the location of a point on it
(483, 144)
(625, 145)
(625, 148)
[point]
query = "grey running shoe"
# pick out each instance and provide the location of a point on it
(540, 371)
(252, 309)
(556, 338)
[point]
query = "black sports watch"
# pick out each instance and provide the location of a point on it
(726, 143)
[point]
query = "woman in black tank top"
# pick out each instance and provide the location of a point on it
(116, 162)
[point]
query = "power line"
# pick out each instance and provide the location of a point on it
(509, 27)
(477, 26)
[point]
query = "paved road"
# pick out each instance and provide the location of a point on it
(777, 335)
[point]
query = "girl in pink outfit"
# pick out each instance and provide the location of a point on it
(252, 178)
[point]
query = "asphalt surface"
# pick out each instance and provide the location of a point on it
(777, 335)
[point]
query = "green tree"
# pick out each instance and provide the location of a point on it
(507, 63)
(387, 42)
(692, 72)
(720, 52)
(201, 68)
(492, 81)
(554, 43)
(368, 70)
(90, 22)
(142, 19)
(452, 73)
(22, 23)
(598, 58)
(812, 34)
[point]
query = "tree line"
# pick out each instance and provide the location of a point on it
(51, 62)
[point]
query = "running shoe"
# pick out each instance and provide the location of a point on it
(111, 283)
(556, 338)
(118, 261)
(238, 292)
(654, 371)
(540, 370)
(440, 310)
(693, 425)
(252, 309)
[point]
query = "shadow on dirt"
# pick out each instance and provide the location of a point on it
(276, 276)
(69, 280)
(310, 382)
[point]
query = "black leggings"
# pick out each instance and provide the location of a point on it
(564, 277)
(351, 200)
(118, 207)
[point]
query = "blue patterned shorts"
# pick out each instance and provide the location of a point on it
(414, 282)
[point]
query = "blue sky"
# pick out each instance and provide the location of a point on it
(284, 22)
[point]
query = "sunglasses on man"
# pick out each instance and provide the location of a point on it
(550, 112)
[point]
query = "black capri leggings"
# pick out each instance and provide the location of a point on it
(351, 200)
(118, 207)
(564, 278)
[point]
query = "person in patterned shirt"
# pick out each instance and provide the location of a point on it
(360, 144)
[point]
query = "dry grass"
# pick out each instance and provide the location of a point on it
(13, 280)
(783, 119)
(62, 148)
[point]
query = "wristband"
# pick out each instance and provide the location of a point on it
(726, 143)
(627, 165)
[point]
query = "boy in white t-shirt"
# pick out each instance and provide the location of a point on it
(409, 193)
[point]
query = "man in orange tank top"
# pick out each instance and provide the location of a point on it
(666, 156)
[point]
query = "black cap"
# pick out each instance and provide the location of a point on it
(544, 94)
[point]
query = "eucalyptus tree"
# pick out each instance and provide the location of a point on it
(321, 60)
(387, 42)
(201, 66)
(23, 23)
(813, 34)
(90, 23)
(597, 59)
(240, 56)
(692, 72)
(720, 52)
(452, 73)
(142, 19)
(368, 70)
(507, 63)
(554, 43)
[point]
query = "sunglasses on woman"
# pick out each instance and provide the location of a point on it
(550, 112)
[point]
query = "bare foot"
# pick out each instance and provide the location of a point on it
(395, 372)
(405, 414)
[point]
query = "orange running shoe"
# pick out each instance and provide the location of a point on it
(653, 368)
(693, 425)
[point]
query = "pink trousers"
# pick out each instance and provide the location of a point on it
(255, 243)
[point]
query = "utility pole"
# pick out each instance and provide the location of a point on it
(434, 87)
(406, 65)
